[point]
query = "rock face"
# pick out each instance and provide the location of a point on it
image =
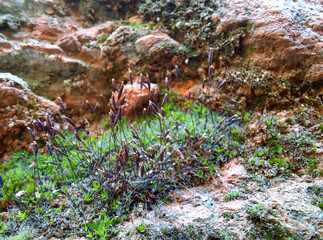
(55, 48)
(281, 34)
(57, 56)
(145, 44)
(284, 37)
(72, 42)
(19, 107)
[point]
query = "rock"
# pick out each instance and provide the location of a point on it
(73, 41)
(60, 66)
(283, 34)
(43, 238)
(138, 99)
(50, 11)
(69, 44)
(9, 21)
(19, 107)
(94, 33)
(315, 73)
(48, 29)
(42, 68)
(135, 19)
(244, 89)
(215, 18)
(44, 48)
(6, 46)
(123, 33)
(234, 172)
(20, 193)
(59, 57)
(146, 43)
(13, 80)
(9, 96)
(285, 207)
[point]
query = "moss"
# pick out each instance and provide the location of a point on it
(264, 227)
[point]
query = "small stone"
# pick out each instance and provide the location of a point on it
(137, 98)
(204, 198)
(20, 193)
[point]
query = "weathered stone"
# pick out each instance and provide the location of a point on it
(69, 44)
(146, 43)
(138, 98)
(10, 21)
(282, 34)
(44, 48)
(48, 29)
(135, 19)
(215, 18)
(19, 107)
(234, 172)
(315, 73)
(6, 46)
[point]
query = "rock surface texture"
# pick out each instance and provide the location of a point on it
(261, 60)
(281, 34)
(206, 212)
(19, 108)
(137, 97)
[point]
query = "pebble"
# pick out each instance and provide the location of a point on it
(204, 198)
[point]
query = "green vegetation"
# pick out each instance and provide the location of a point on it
(118, 167)
(289, 151)
(141, 228)
(263, 226)
(317, 195)
(101, 175)
(103, 38)
(232, 195)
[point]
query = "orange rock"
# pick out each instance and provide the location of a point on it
(19, 107)
(9, 95)
(145, 43)
(73, 42)
(215, 18)
(137, 98)
(315, 73)
(6, 46)
(93, 33)
(44, 48)
(233, 172)
(135, 19)
(282, 36)
(69, 44)
(46, 29)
